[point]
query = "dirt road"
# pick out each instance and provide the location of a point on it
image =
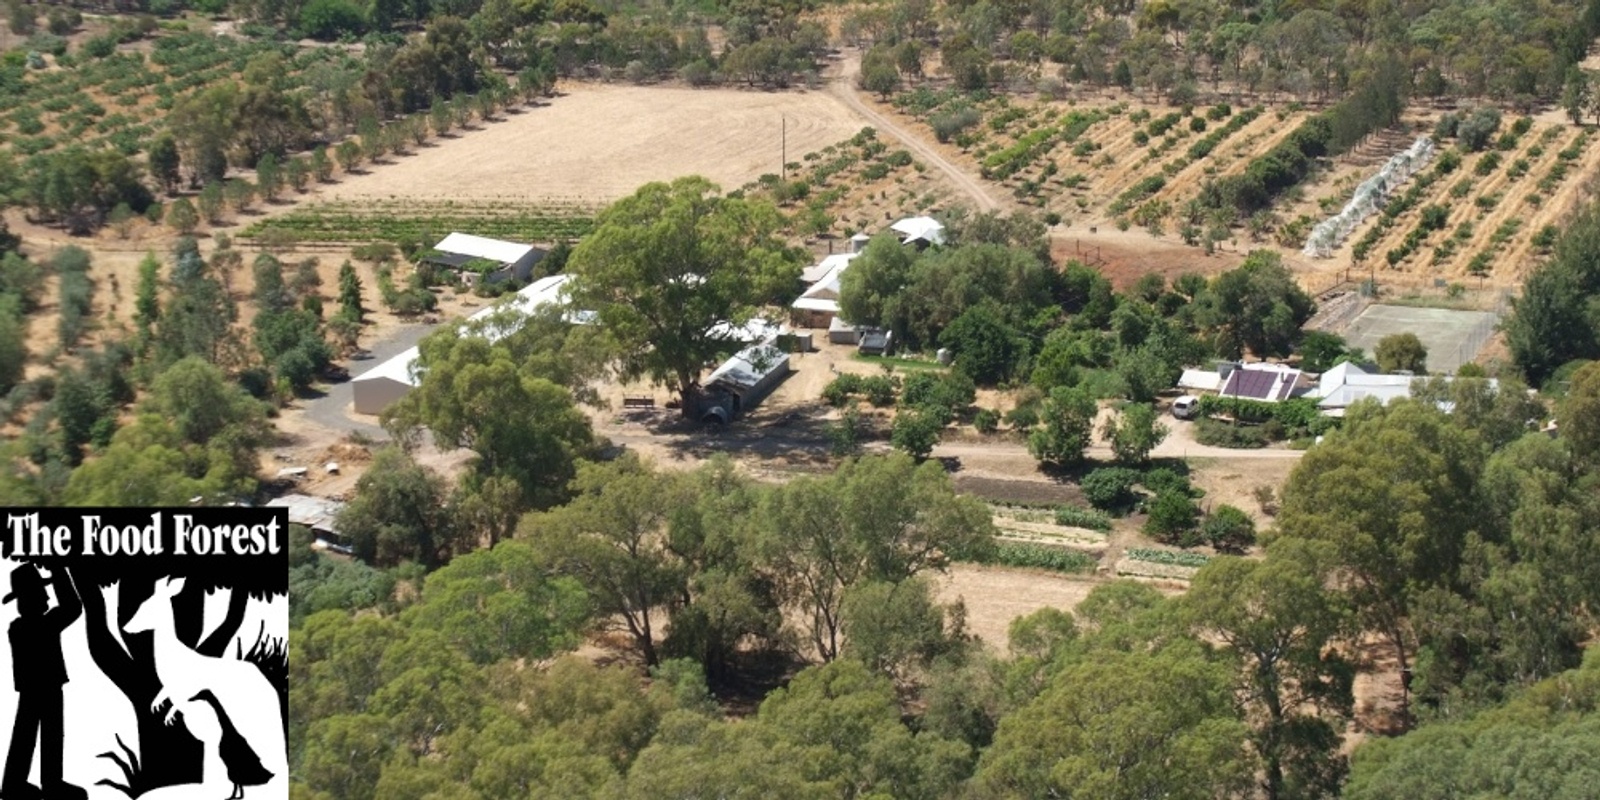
(843, 87)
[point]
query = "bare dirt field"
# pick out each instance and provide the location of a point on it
(994, 596)
(1126, 256)
(597, 142)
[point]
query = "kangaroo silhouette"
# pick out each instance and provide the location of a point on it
(245, 702)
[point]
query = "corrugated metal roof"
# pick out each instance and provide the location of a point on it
(749, 366)
(482, 247)
(317, 513)
(1202, 380)
(531, 297)
(926, 229)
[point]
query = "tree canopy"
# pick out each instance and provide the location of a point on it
(675, 271)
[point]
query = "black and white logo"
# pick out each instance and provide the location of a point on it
(147, 653)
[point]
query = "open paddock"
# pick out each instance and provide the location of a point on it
(596, 143)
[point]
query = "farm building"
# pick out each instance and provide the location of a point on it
(385, 383)
(841, 332)
(476, 258)
(1269, 383)
(317, 513)
(742, 382)
(1347, 383)
(919, 231)
(875, 342)
(818, 305)
(1200, 380)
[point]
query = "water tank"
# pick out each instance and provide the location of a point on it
(945, 356)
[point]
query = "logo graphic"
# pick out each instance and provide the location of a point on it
(147, 651)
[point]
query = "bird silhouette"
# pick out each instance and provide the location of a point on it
(244, 766)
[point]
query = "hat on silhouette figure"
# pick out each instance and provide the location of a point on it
(25, 584)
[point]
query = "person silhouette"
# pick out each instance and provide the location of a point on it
(38, 673)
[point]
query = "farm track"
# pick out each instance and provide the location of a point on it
(843, 88)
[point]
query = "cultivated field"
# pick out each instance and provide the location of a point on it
(596, 143)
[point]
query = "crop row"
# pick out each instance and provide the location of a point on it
(1040, 556)
(1167, 557)
(316, 225)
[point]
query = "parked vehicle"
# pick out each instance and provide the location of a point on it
(1186, 407)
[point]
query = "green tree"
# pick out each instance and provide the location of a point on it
(269, 177)
(610, 538)
(501, 604)
(915, 432)
(879, 73)
(1395, 490)
(1257, 307)
(875, 519)
(1402, 352)
(869, 291)
(669, 270)
(898, 629)
(13, 342)
(985, 347)
(164, 162)
(321, 166)
(297, 173)
(1321, 351)
(1228, 529)
(1556, 319)
(1068, 417)
(209, 203)
(846, 722)
(182, 217)
(466, 384)
(1281, 619)
(1125, 725)
(1134, 433)
(350, 292)
(1575, 95)
(398, 513)
(147, 298)
(349, 154)
(1580, 415)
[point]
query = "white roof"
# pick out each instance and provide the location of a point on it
(479, 247)
(749, 366)
(756, 330)
(924, 228)
(816, 304)
(1346, 383)
(828, 266)
(539, 293)
(1203, 380)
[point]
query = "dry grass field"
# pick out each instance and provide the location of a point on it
(599, 142)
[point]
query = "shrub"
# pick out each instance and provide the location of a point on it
(946, 125)
(1111, 488)
(1215, 433)
(1166, 479)
(987, 420)
(1173, 517)
(1229, 529)
(916, 432)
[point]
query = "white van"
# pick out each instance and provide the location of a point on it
(1186, 407)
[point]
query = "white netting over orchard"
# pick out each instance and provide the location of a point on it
(1368, 199)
